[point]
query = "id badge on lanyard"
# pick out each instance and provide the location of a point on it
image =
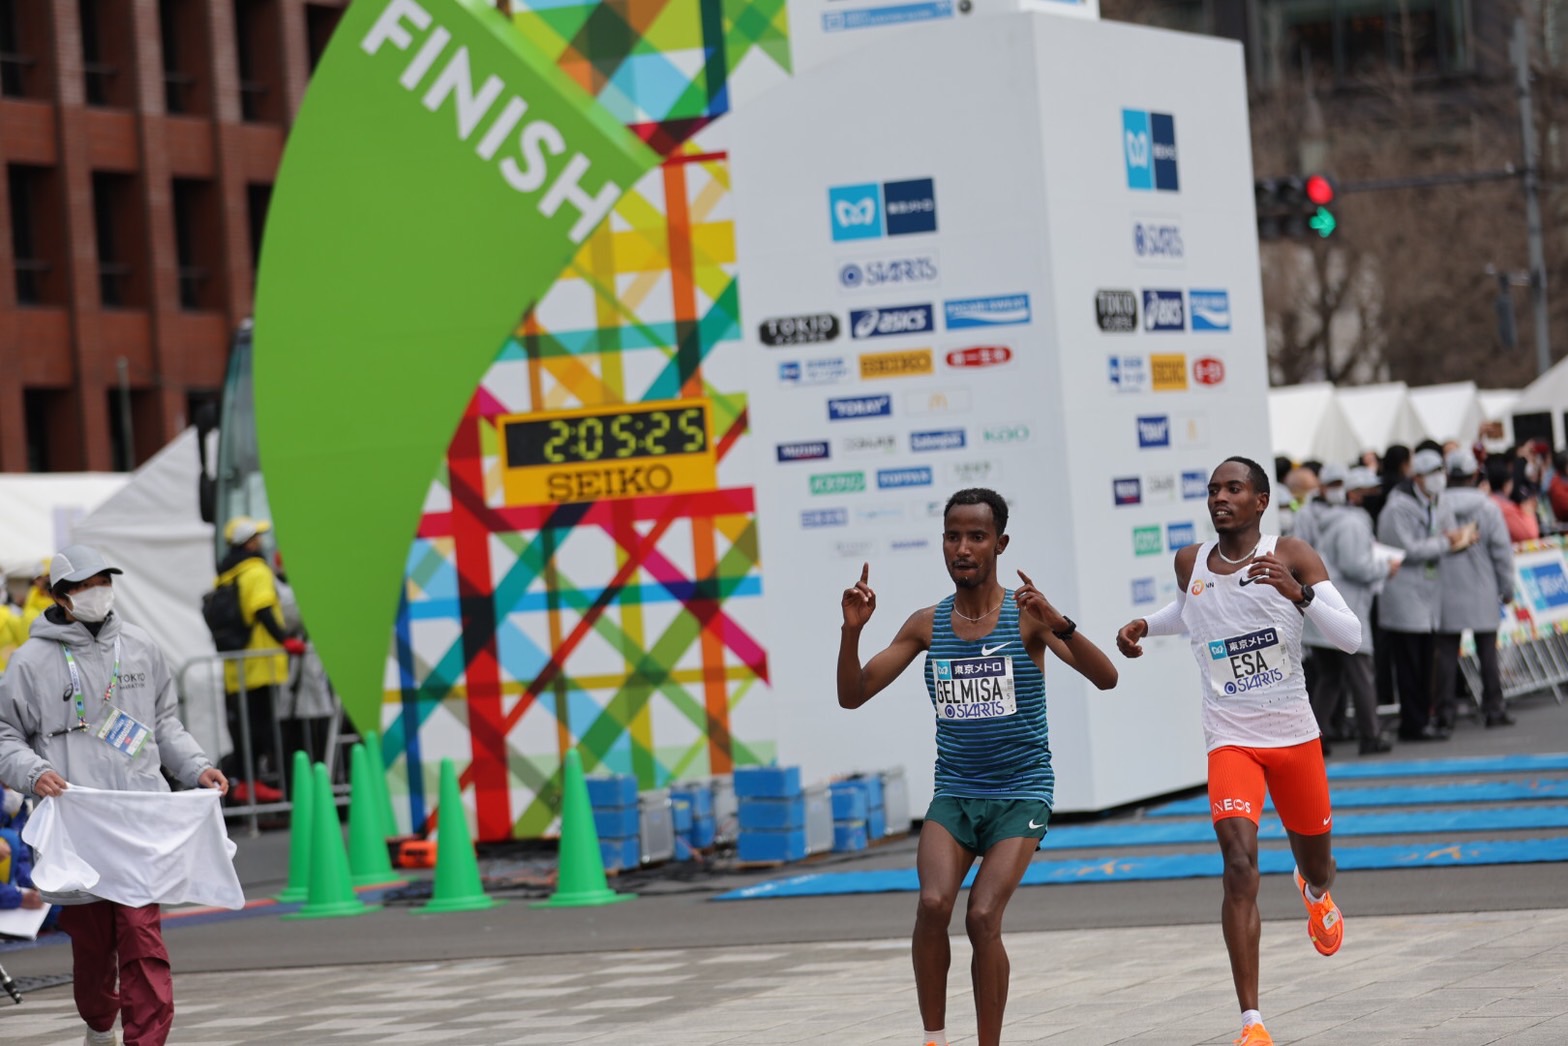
(113, 726)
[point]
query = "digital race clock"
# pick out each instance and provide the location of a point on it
(620, 451)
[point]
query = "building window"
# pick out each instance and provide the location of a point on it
(24, 49)
(257, 41)
(197, 244)
(320, 21)
(108, 66)
(118, 226)
(1352, 41)
(37, 235)
(42, 411)
(258, 198)
(182, 26)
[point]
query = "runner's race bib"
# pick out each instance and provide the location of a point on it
(973, 687)
(1243, 664)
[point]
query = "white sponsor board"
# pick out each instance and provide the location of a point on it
(1025, 185)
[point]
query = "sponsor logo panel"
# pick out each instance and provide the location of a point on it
(1160, 487)
(896, 479)
(1146, 541)
(855, 211)
(910, 206)
(1142, 590)
(1149, 150)
(838, 483)
(1002, 310)
(890, 320)
(1127, 490)
(938, 439)
(1116, 311)
(829, 371)
(894, 270)
(1169, 371)
(799, 330)
(1157, 241)
(1194, 486)
(938, 401)
(853, 446)
(1210, 310)
(813, 450)
(979, 356)
(1208, 371)
(1163, 311)
(903, 364)
(849, 408)
(811, 519)
(971, 473)
(1180, 535)
(875, 17)
(1012, 432)
(1128, 373)
(1154, 430)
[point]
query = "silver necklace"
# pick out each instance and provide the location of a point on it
(983, 616)
(1243, 559)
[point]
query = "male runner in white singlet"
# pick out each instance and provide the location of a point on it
(994, 784)
(1243, 599)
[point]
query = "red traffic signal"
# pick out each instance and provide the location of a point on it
(1319, 190)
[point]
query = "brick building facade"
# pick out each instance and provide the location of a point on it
(139, 141)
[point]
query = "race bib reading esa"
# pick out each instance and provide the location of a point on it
(1242, 664)
(973, 687)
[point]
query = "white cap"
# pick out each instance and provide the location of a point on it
(241, 529)
(1362, 478)
(1332, 473)
(78, 563)
(1426, 461)
(1461, 462)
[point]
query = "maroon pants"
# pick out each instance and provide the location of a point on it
(109, 940)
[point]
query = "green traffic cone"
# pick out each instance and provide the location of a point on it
(298, 888)
(378, 775)
(367, 846)
(457, 885)
(331, 892)
(579, 881)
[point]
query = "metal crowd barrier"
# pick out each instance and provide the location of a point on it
(1536, 665)
(245, 745)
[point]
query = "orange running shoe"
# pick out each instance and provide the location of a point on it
(1255, 1035)
(1325, 925)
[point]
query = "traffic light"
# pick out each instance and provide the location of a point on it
(1294, 207)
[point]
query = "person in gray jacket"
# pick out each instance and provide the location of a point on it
(1477, 584)
(80, 668)
(1415, 520)
(1344, 540)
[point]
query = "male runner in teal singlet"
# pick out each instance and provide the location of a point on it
(994, 784)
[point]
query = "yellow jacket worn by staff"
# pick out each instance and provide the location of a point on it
(13, 633)
(258, 595)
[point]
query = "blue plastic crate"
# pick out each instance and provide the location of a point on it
(683, 849)
(680, 813)
(849, 836)
(876, 822)
(616, 822)
(873, 786)
(703, 831)
(771, 846)
(767, 782)
(850, 802)
(615, 790)
(699, 795)
(620, 853)
(772, 815)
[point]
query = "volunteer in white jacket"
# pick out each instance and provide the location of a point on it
(90, 699)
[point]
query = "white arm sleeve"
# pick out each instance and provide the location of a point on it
(1338, 623)
(1166, 621)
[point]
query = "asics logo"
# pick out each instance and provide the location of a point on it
(856, 212)
(987, 651)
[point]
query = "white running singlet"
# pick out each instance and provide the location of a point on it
(1246, 638)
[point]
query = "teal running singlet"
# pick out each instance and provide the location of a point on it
(989, 699)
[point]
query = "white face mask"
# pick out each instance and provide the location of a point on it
(1435, 483)
(1334, 495)
(92, 604)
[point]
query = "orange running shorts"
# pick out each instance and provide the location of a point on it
(1293, 776)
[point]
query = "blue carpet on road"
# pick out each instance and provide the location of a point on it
(1173, 866)
(1408, 822)
(1405, 795)
(1480, 764)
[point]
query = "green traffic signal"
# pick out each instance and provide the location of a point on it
(1323, 222)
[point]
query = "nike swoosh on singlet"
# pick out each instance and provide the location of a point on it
(1250, 578)
(987, 651)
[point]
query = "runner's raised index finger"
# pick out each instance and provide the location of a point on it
(865, 572)
(1026, 578)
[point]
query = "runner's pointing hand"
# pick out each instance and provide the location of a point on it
(860, 601)
(1031, 601)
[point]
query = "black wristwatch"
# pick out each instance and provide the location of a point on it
(1068, 632)
(1306, 598)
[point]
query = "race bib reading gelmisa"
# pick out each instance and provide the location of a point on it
(1243, 664)
(973, 687)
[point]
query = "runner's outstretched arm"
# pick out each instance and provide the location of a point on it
(1043, 623)
(857, 685)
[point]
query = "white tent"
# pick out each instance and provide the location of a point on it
(1306, 422)
(152, 529)
(1546, 394)
(1381, 415)
(39, 509)
(1449, 412)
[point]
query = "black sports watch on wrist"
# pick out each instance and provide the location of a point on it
(1306, 598)
(1068, 632)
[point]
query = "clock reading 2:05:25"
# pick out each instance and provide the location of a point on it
(615, 451)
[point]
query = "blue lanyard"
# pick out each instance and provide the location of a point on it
(76, 683)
